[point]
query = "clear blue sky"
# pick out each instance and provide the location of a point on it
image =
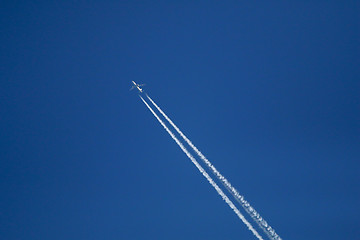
(268, 91)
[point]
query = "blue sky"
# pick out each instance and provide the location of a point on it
(268, 91)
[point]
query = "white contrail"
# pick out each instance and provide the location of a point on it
(270, 232)
(205, 174)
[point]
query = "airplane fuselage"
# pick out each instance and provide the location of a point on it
(137, 86)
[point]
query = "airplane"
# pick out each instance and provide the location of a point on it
(138, 86)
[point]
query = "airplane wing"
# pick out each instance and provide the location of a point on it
(140, 85)
(132, 88)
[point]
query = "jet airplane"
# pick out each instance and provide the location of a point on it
(138, 86)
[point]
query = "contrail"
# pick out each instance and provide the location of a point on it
(205, 174)
(269, 231)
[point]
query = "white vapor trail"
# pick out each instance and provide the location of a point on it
(204, 173)
(269, 231)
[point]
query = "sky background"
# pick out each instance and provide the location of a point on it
(269, 91)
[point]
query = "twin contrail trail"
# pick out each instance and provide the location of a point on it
(204, 173)
(269, 231)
